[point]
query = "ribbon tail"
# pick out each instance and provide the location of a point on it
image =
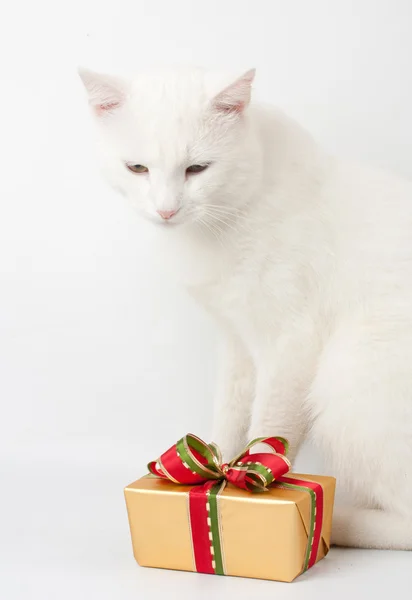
(206, 528)
(315, 492)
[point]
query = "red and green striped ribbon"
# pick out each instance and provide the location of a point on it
(315, 492)
(192, 461)
(205, 527)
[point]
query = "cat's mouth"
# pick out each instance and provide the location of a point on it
(171, 223)
(181, 218)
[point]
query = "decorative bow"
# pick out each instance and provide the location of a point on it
(191, 461)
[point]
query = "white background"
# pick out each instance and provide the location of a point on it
(102, 365)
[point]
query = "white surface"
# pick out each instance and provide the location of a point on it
(93, 347)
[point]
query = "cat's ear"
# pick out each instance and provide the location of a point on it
(106, 93)
(236, 97)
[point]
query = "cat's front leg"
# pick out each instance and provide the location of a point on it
(283, 379)
(233, 405)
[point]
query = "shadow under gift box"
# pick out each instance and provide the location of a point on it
(264, 535)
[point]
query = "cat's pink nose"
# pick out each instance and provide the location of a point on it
(167, 214)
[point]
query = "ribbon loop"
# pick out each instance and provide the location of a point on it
(191, 461)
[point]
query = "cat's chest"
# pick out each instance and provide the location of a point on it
(257, 301)
(242, 299)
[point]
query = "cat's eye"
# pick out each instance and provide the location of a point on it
(137, 168)
(196, 169)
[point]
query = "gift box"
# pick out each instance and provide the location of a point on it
(248, 518)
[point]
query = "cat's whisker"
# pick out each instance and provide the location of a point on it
(223, 210)
(209, 228)
(213, 226)
(229, 220)
(220, 212)
(233, 215)
(222, 207)
(225, 223)
(199, 225)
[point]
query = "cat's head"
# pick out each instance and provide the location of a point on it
(179, 145)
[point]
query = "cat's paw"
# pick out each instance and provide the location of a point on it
(229, 450)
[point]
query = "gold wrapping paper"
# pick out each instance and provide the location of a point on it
(264, 535)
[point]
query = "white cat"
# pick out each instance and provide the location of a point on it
(306, 263)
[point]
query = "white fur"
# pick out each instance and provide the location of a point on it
(306, 263)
